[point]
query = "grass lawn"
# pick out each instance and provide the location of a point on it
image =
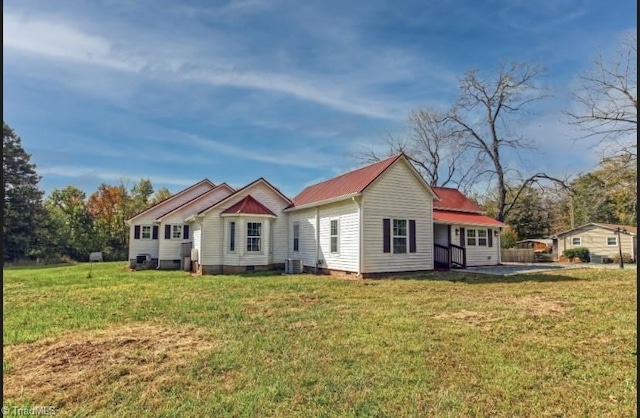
(451, 344)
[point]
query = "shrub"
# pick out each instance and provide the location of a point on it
(626, 258)
(581, 252)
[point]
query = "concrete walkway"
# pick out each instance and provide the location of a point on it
(510, 269)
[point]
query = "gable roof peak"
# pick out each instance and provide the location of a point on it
(349, 183)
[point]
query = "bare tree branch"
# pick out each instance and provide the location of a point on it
(608, 100)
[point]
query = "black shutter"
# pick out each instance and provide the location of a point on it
(386, 235)
(463, 241)
(155, 232)
(136, 232)
(185, 234)
(490, 237)
(167, 232)
(412, 236)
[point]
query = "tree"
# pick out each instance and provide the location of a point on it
(162, 194)
(486, 115)
(71, 221)
(141, 194)
(435, 149)
(109, 207)
(22, 210)
(608, 100)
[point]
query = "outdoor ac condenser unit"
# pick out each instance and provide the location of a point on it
(293, 266)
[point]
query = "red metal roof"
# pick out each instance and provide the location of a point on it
(249, 205)
(453, 199)
(456, 217)
(349, 183)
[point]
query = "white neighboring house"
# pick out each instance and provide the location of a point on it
(382, 218)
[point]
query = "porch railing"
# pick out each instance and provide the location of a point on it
(452, 256)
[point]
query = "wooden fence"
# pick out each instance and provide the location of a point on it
(518, 255)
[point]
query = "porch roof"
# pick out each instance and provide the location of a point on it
(464, 218)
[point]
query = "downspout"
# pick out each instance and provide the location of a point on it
(317, 237)
(361, 235)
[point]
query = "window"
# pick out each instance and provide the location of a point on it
(176, 231)
(482, 237)
(576, 241)
(612, 241)
(296, 236)
(232, 236)
(399, 236)
(477, 237)
(471, 237)
(254, 232)
(146, 232)
(334, 235)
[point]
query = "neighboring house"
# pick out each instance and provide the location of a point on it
(462, 228)
(601, 239)
(538, 245)
(382, 218)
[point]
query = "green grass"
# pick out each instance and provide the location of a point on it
(450, 344)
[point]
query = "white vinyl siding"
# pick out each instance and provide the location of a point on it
(397, 194)
(306, 219)
(197, 239)
(142, 246)
(346, 215)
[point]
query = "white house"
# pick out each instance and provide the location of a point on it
(382, 218)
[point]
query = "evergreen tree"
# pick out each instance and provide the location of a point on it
(23, 211)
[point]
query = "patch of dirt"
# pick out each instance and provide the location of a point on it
(84, 367)
(529, 305)
(539, 306)
(480, 320)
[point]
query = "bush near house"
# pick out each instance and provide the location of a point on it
(580, 252)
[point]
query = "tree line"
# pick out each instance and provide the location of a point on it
(67, 223)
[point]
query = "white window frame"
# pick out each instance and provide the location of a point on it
(142, 228)
(232, 236)
(480, 232)
(254, 238)
(573, 241)
(296, 237)
(335, 236)
(471, 235)
(615, 243)
(395, 236)
(176, 231)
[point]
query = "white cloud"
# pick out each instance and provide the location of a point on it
(51, 39)
(91, 172)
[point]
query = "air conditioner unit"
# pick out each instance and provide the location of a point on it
(293, 266)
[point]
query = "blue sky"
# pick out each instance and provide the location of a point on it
(290, 91)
